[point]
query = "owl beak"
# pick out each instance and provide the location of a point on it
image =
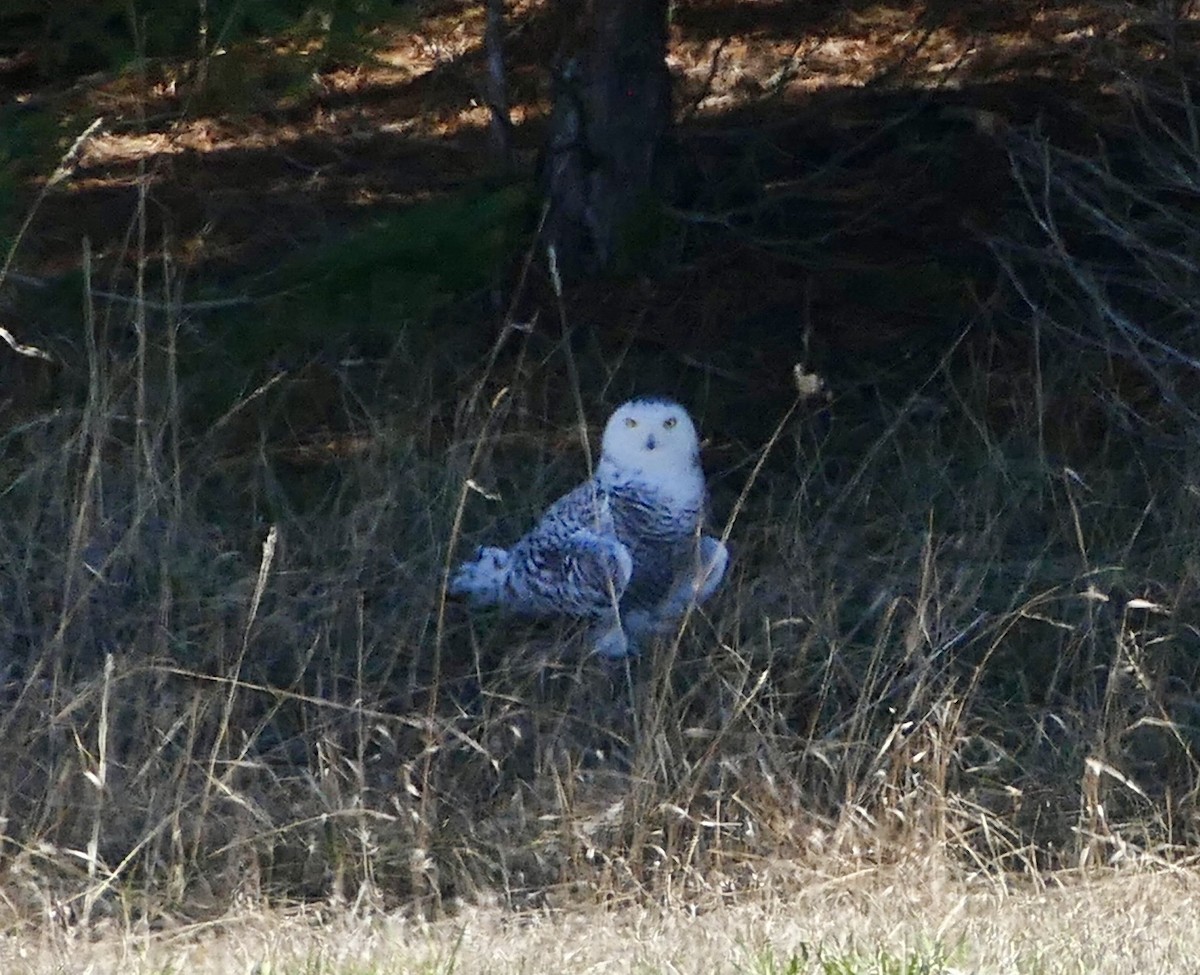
(651, 443)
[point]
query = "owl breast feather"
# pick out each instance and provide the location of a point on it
(661, 535)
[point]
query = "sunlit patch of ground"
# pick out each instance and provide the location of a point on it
(412, 116)
(729, 55)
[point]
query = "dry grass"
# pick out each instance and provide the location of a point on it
(955, 657)
(914, 920)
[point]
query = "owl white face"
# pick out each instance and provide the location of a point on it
(652, 435)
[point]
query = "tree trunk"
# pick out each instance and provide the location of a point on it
(496, 84)
(610, 121)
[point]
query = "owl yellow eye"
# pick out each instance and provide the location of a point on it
(669, 422)
(630, 422)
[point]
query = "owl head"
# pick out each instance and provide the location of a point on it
(653, 435)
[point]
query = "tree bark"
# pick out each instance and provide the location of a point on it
(608, 128)
(496, 84)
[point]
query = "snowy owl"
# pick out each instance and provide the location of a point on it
(625, 548)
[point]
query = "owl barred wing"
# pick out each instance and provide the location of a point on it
(571, 563)
(581, 575)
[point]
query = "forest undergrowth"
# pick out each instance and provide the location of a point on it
(960, 627)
